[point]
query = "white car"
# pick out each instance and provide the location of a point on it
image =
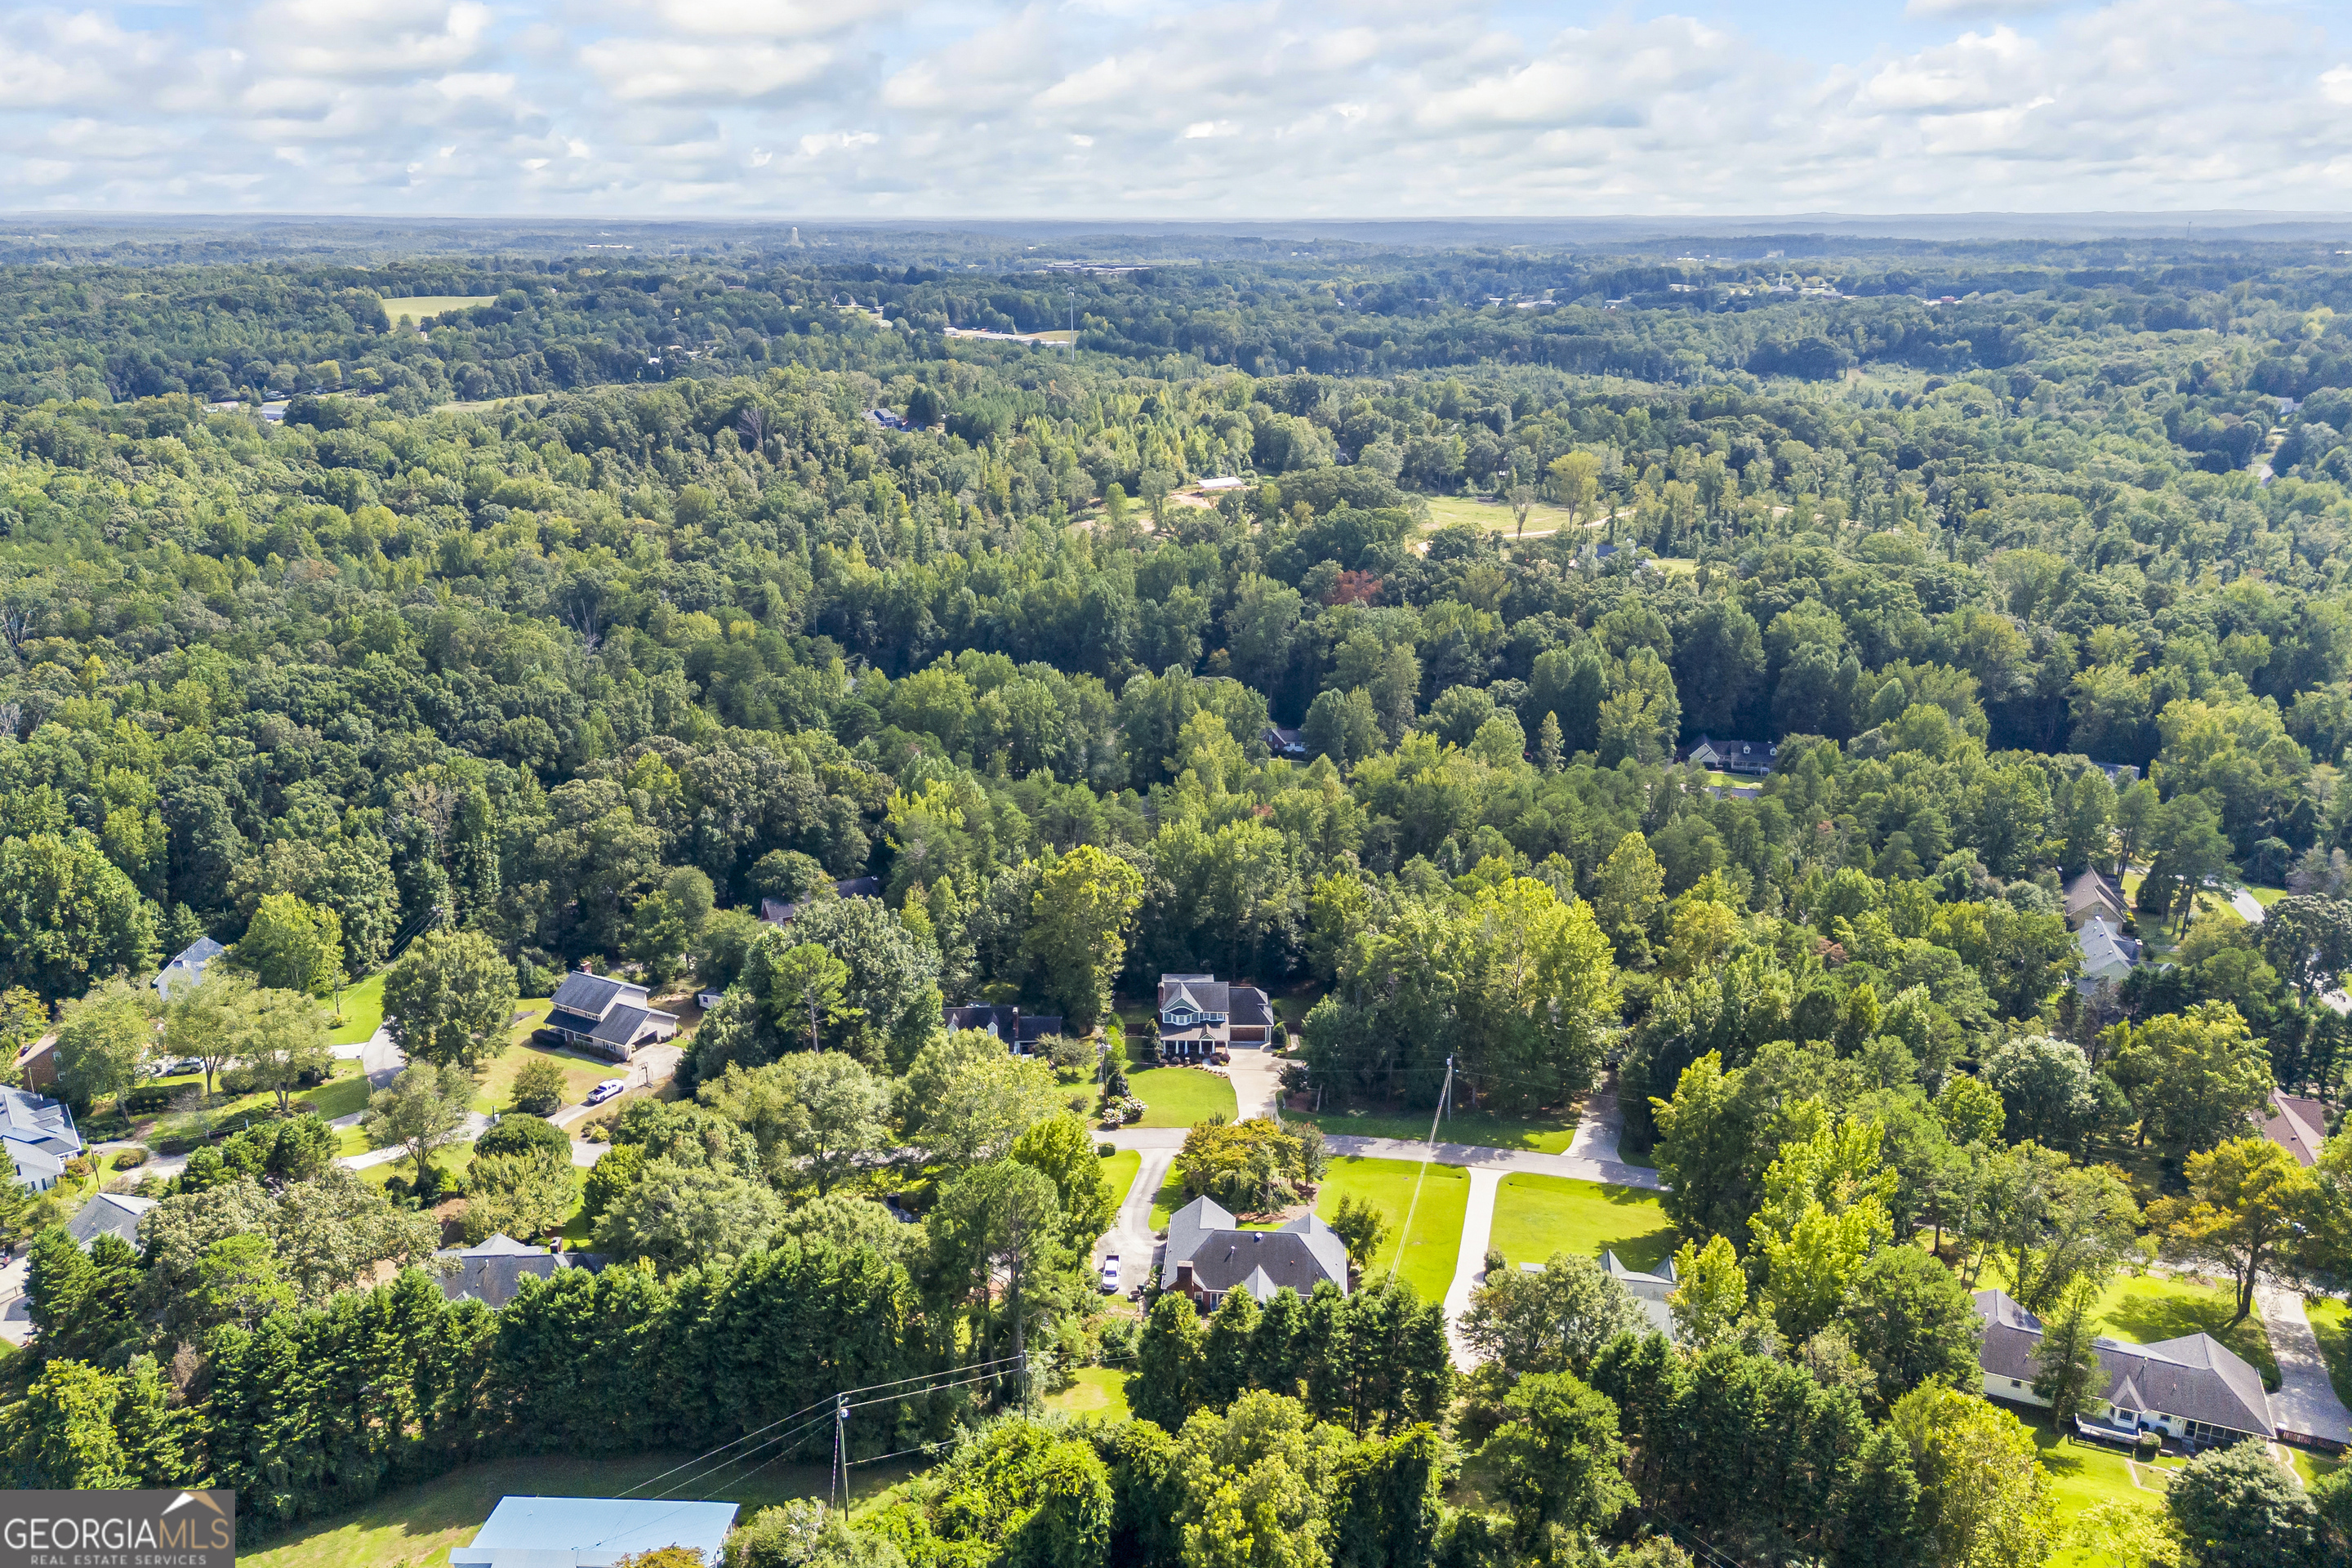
(606, 1091)
(1110, 1275)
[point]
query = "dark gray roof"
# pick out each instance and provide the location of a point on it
(109, 1214)
(1036, 1027)
(2196, 1377)
(492, 1272)
(1300, 1255)
(988, 1017)
(590, 996)
(1250, 1008)
(1206, 993)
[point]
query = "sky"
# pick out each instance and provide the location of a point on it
(1267, 108)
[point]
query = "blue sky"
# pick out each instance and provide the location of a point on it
(1224, 108)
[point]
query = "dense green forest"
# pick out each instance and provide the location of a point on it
(577, 622)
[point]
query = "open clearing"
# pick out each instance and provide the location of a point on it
(1495, 516)
(1535, 1216)
(1548, 1134)
(1430, 1250)
(362, 1011)
(416, 307)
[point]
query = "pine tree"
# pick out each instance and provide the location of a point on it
(1225, 1371)
(2066, 1364)
(1169, 1360)
(1547, 743)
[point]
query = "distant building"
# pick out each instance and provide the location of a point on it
(777, 912)
(2295, 1124)
(1020, 1031)
(2107, 954)
(2094, 893)
(188, 968)
(1223, 482)
(39, 1135)
(108, 1214)
(1282, 742)
(492, 1272)
(593, 1532)
(609, 1018)
(1209, 1254)
(1734, 756)
(2194, 1387)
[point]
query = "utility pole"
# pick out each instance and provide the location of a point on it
(840, 1449)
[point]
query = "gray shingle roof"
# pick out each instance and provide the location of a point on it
(2295, 1124)
(1301, 1255)
(492, 1272)
(188, 966)
(109, 1214)
(38, 1122)
(2196, 1377)
(589, 995)
(1250, 1007)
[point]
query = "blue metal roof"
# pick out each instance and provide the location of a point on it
(592, 1532)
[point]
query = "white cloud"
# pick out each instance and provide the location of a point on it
(1190, 108)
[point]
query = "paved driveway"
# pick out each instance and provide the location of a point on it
(2306, 1400)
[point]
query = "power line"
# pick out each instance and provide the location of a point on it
(1428, 1152)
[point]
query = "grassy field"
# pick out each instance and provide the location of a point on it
(1429, 1252)
(416, 307)
(581, 1072)
(2083, 1476)
(1098, 1391)
(1119, 1170)
(362, 1011)
(1535, 1216)
(1551, 1134)
(418, 1525)
(1494, 516)
(1179, 1096)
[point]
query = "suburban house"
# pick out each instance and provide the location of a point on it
(1209, 1254)
(1283, 742)
(492, 1272)
(1020, 1031)
(2095, 894)
(1734, 756)
(188, 967)
(2107, 954)
(2194, 1387)
(109, 1214)
(2295, 1124)
(37, 1062)
(777, 912)
(592, 1532)
(609, 1018)
(39, 1135)
(1201, 1016)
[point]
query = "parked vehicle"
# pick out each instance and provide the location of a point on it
(1110, 1275)
(606, 1091)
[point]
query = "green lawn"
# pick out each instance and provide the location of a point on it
(1535, 1216)
(1551, 1134)
(1119, 1171)
(1494, 516)
(452, 1160)
(2082, 1476)
(1429, 1253)
(1179, 1096)
(581, 1072)
(418, 1525)
(342, 1095)
(362, 1011)
(1098, 1391)
(1167, 1200)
